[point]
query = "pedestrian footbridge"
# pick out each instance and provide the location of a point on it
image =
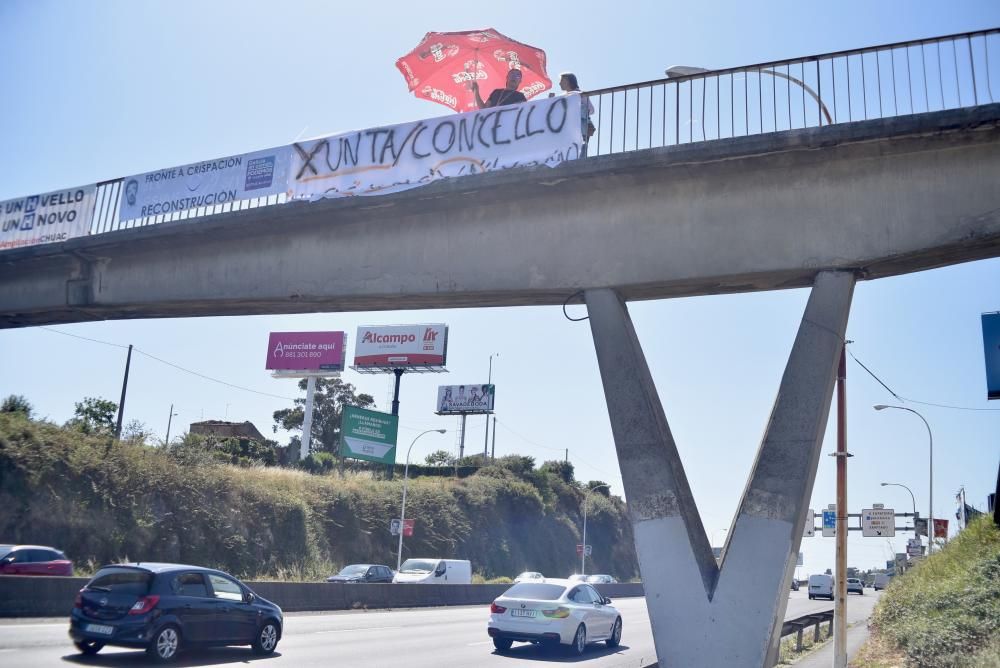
(818, 171)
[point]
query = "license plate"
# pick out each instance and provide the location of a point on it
(99, 628)
(522, 613)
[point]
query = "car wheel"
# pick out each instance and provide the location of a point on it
(616, 634)
(579, 641)
(810, 597)
(88, 646)
(166, 645)
(502, 644)
(267, 639)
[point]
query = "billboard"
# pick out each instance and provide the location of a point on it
(991, 349)
(46, 218)
(878, 522)
(465, 399)
(305, 351)
(398, 346)
(368, 435)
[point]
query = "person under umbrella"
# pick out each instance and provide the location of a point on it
(509, 94)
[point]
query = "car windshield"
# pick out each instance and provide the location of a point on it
(538, 591)
(5, 550)
(122, 581)
(418, 566)
(354, 570)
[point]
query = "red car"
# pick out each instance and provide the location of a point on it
(33, 560)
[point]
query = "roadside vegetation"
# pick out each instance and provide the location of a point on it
(945, 612)
(215, 502)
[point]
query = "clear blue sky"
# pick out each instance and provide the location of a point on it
(99, 90)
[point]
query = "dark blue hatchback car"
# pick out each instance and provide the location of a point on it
(163, 608)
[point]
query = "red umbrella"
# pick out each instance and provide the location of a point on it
(444, 64)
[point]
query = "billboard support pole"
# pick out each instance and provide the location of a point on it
(840, 605)
(307, 420)
(494, 453)
(461, 442)
(390, 468)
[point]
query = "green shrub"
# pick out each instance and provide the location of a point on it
(944, 610)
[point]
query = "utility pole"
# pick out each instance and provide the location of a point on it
(486, 439)
(840, 576)
(121, 404)
(169, 420)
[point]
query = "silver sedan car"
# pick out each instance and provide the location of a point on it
(554, 612)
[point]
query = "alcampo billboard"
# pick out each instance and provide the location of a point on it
(401, 346)
(305, 351)
(466, 399)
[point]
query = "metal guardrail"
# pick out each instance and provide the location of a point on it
(693, 104)
(800, 624)
(916, 76)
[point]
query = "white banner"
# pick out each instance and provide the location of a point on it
(401, 346)
(207, 183)
(465, 398)
(399, 157)
(41, 219)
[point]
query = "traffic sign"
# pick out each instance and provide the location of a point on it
(810, 530)
(579, 549)
(829, 523)
(878, 522)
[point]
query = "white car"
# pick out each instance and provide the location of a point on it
(529, 576)
(577, 577)
(601, 579)
(555, 612)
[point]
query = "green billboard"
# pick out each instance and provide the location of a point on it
(368, 435)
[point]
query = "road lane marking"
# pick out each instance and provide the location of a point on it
(366, 628)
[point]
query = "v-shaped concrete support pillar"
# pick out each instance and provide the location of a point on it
(703, 615)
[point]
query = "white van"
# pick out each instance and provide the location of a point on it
(434, 571)
(821, 586)
(881, 581)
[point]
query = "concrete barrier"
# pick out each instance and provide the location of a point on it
(23, 596)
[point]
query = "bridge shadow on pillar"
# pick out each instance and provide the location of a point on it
(703, 614)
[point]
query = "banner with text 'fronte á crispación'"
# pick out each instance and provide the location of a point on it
(205, 184)
(398, 157)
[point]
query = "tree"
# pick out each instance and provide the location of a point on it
(16, 403)
(95, 416)
(602, 487)
(332, 394)
(136, 432)
(560, 469)
(440, 458)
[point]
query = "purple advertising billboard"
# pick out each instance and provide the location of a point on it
(305, 351)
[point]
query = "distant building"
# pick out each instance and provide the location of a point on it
(227, 430)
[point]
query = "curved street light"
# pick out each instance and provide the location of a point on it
(930, 486)
(583, 553)
(679, 71)
(402, 513)
(912, 498)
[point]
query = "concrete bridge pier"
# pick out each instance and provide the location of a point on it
(703, 614)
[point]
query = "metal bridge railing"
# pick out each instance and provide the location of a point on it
(693, 104)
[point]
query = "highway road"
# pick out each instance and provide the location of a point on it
(452, 637)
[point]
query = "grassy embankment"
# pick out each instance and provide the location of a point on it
(102, 502)
(945, 612)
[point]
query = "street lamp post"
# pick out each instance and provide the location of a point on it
(678, 71)
(169, 420)
(402, 513)
(583, 552)
(930, 486)
(912, 498)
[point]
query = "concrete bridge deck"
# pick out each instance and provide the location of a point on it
(880, 197)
